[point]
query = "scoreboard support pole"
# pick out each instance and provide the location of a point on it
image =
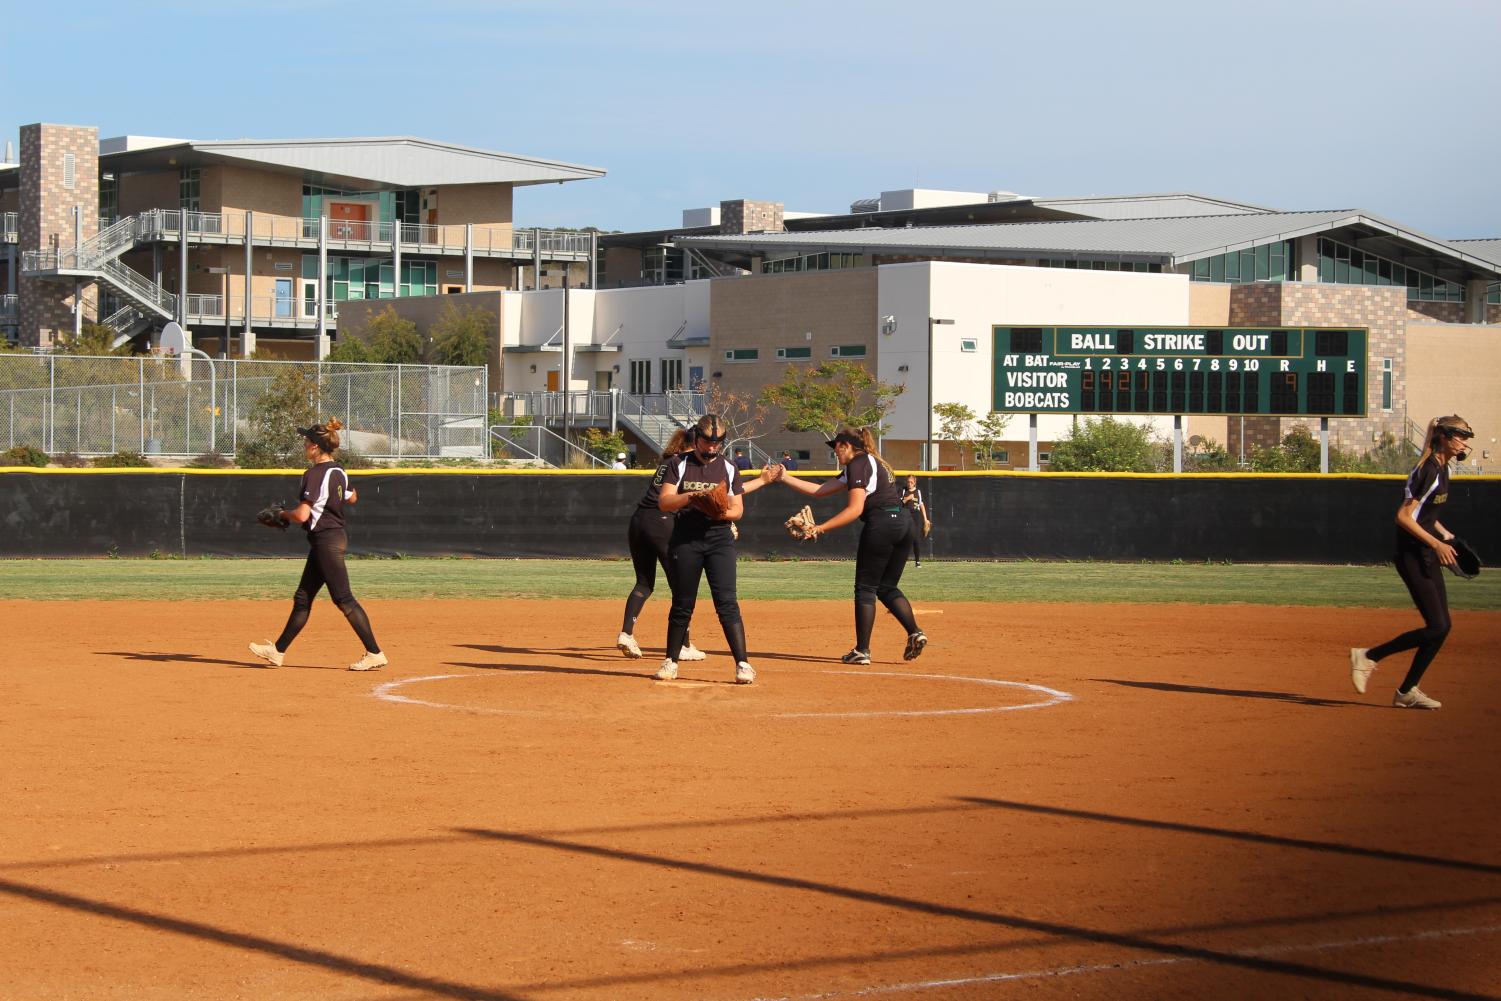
(1177, 443)
(1032, 463)
(1323, 444)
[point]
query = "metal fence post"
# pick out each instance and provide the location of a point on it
(51, 419)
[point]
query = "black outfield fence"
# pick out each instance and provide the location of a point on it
(1240, 518)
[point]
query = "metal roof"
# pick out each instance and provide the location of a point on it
(379, 161)
(1484, 248)
(1182, 203)
(1175, 240)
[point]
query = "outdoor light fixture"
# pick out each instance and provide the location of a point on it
(534, 370)
(888, 325)
(902, 368)
(616, 367)
(717, 375)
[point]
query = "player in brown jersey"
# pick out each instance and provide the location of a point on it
(1422, 552)
(886, 537)
(702, 545)
(324, 493)
(648, 534)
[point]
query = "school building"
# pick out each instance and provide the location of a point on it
(246, 241)
(913, 284)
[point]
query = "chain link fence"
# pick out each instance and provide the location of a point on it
(189, 406)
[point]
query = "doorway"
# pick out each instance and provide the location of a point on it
(281, 299)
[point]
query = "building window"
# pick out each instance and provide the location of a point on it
(641, 377)
(1493, 293)
(1044, 457)
(1386, 384)
(814, 262)
(109, 198)
(662, 265)
(70, 170)
(187, 189)
(672, 374)
(385, 201)
(847, 351)
(1090, 264)
(803, 352)
(1340, 264)
(969, 344)
(742, 354)
(1270, 262)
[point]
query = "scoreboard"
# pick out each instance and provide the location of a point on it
(1298, 371)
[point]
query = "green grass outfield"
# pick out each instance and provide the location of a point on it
(217, 579)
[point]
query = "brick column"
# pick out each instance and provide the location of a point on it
(51, 157)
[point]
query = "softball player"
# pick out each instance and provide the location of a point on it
(1422, 553)
(648, 535)
(703, 546)
(886, 539)
(325, 492)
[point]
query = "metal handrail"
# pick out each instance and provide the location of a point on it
(9, 227)
(140, 286)
(509, 433)
(9, 306)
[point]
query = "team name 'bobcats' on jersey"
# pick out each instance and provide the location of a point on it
(688, 474)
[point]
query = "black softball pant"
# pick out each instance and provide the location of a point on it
(916, 516)
(1423, 574)
(649, 533)
(886, 542)
(325, 567)
(694, 556)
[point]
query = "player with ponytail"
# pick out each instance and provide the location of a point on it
(324, 493)
(1422, 552)
(887, 537)
(648, 534)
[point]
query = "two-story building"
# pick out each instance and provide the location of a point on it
(246, 240)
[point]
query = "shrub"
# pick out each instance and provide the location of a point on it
(211, 460)
(24, 455)
(122, 460)
(70, 460)
(1106, 445)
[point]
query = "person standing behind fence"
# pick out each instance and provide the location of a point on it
(648, 535)
(1422, 553)
(913, 502)
(886, 538)
(325, 492)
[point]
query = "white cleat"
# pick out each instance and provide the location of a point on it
(744, 674)
(268, 653)
(627, 644)
(691, 652)
(1414, 699)
(1361, 667)
(668, 671)
(369, 662)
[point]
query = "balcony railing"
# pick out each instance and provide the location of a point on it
(448, 240)
(264, 310)
(10, 227)
(8, 308)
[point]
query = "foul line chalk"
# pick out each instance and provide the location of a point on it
(1051, 697)
(1135, 964)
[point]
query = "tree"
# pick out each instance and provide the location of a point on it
(954, 420)
(1106, 445)
(388, 339)
(745, 417)
(93, 339)
(990, 431)
(462, 336)
(1298, 452)
(830, 396)
(270, 439)
(604, 444)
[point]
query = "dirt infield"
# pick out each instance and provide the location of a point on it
(1156, 802)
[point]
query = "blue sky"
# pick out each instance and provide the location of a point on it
(1297, 104)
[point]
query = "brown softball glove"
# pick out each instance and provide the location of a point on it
(802, 525)
(715, 503)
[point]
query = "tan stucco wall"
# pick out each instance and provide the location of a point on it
(1208, 304)
(771, 311)
(10, 201)
(487, 204)
(240, 189)
(139, 192)
(1452, 369)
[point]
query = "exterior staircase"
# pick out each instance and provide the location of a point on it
(98, 259)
